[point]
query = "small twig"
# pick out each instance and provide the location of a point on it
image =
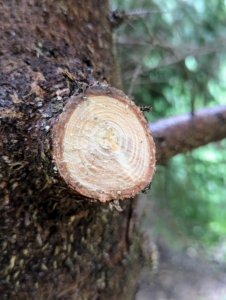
(118, 17)
(146, 108)
(137, 72)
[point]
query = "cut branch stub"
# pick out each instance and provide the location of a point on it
(103, 148)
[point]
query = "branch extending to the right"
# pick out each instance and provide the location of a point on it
(179, 134)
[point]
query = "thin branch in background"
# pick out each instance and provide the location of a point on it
(159, 43)
(119, 17)
(122, 40)
(185, 50)
(143, 11)
(137, 72)
(218, 45)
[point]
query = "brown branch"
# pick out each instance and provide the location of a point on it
(179, 134)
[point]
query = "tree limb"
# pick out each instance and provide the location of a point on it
(179, 134)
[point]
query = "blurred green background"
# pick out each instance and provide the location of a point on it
(172, 56)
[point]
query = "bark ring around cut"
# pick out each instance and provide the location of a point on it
(103, 148)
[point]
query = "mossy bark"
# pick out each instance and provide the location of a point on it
(53, 243)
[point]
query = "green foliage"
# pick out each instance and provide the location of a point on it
(172, 56)
(192, 187)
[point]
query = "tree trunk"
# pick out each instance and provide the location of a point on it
(54, 244)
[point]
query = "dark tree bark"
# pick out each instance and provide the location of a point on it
(53, 243)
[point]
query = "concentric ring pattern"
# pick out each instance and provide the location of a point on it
(105, 147)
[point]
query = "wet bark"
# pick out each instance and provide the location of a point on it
(179, 134)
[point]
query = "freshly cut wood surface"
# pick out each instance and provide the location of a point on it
(102, 145)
